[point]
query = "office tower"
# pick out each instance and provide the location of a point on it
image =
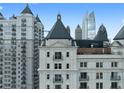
(89, 26)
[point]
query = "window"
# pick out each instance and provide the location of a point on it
(58, 66)
(57, 86)
(99, 64)
(67, 54)
(67, 76)
(58, 77)
(48, 54)
(48, 86)
(83, 85)
(114, 85)
(99, 85)
(58, 55)
(67, 86)
(83, 64)
(67, 66)
(99, 75)
(83, 75)
(114, 64)
(114, 75)
(48, 76)
(48, 66)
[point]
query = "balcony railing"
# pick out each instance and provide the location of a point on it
(84, 78)
(115, 78)
(57, 80)
(82, 87)
(113, 87)
(57, 58)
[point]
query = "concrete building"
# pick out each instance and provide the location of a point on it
(20, 37)
(66, 63)
(89, 26)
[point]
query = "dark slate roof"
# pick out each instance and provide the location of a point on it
(88, 43)
(101, 34)
(58, 31)
(13, 17)
(38, 19)
(27, 10)
(1, 16)
(120, 34)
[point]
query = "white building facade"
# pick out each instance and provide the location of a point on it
(20, 37)
(66, 63)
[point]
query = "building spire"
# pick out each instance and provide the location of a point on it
(27, 10)
(58, 17)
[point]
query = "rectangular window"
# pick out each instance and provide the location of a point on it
(67, 86)
(99, 85)
(58, 66)
(83, 85)
(55, 66)
(114, 85)
(48, 66)
(67, 76)
(48, 86)
(99, 75)
(48, 54)
(67, 66)
(83, 64)
(48, 76)
(58, 78)
(114, 64)
(99, 64)
(58, 55)
(58, 87)
(67, 54)
(83, 75)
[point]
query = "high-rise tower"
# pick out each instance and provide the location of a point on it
(20, 37)
(89, 26)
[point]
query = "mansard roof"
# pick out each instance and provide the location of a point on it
(89, 43)
(101, 34)
(58, 31)
(120, 34)
(27, 10)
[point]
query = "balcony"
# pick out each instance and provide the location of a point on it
(57, 80)
(83, 87)
(115, 78)
(117, 87)
(57, 58)
(84, 78)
